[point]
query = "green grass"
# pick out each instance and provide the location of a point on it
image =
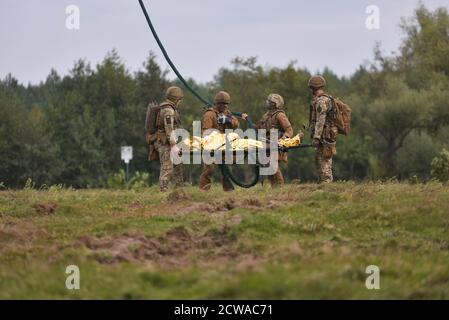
(301, 241)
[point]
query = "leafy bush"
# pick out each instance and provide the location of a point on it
(118, 180)
(440, 166)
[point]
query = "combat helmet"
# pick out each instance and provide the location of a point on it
(174, 93)
(222, 97)
(277, 100)
(317, 82)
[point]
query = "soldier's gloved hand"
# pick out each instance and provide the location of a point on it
(316, 142)
(224, 119)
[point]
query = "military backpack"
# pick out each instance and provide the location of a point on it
(153, 110)
(340, 115)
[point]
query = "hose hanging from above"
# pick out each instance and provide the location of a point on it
(167, 58)
(207, 104)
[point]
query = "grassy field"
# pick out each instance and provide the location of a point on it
(302, 241)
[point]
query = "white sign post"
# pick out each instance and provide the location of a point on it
(127, 155)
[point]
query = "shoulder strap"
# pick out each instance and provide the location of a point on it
(325, 95)
(165, 105)
(330, 98)
(159, 121)
(275, 113)
(211, 109)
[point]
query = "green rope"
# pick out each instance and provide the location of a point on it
(175, 70)
(164, 52)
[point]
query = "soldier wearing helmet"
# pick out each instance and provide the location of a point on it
(323, 130)
(275, 118)
(167, 121)
(217, 117)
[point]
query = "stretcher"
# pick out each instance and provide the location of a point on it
(233, 142)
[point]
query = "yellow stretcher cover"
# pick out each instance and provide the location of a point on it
(217, 141)
(291, 142)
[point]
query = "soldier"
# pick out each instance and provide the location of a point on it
(164, 140)
(275, 118)
(217, 117)
(323, 130)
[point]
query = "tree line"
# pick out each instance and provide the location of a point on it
(69, 129)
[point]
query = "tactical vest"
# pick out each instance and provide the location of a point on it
(269, 121)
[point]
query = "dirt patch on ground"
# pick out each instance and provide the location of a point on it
(135, 205)
(17, 235)
(222, 206)
(175, 248)
(21, 232)
(46, 208)
(258, 204)
(179, 203)
(198, 207)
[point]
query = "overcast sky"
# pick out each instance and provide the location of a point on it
(200, 35)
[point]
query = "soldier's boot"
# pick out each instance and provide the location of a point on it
(277, 180)
(163, 181)
(326, 174)
(206, 177)
(326, 180)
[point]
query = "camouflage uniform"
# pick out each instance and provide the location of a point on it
(167, 121)
(210, 121)
(275, 118)
(323, 129)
